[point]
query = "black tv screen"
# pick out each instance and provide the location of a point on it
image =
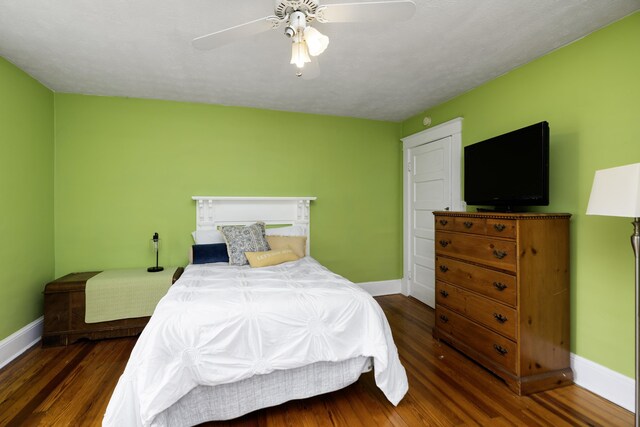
(509, 170)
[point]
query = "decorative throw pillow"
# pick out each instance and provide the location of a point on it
(204, 254)
(296, 243)
(264, 259)
(205, 237)
(241, 239)
(291, 230)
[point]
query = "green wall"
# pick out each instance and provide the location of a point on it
(589, 92)
(26, 196)
(126, 168)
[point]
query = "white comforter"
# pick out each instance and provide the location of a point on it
(219, 324)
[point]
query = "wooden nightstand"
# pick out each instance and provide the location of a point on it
(64, 313)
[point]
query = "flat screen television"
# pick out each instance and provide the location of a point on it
(510, 170)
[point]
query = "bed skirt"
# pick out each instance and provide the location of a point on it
(227, 401)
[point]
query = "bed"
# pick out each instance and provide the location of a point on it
(227, 340)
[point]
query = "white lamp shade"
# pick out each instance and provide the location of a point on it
(299, 54)
(616, 192)
(316, 41)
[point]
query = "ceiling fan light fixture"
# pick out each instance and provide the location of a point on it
(296, 15)
(316, 41)
(299, 54)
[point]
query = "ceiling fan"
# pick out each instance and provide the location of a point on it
(296, 17)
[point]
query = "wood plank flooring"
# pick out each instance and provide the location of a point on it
(71, 386)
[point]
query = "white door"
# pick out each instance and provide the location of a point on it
(429, 170)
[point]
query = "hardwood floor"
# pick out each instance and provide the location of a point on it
(72, 385)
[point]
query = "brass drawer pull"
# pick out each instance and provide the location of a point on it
(500, 349)
(499, 286)
(443, 222)
(499, 227)
(499, 317)
(444, 243)
(499, 254)
(468, 224)
(444, 268)
(445, 294)
(443, 318)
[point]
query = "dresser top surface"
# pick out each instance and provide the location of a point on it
(504, 215)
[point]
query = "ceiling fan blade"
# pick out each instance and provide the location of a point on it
(232, 34)
(370, 11)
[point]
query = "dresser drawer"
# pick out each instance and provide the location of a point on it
(444, 223)
(469, 225)
(494, 315)
(492, 283)
(484, 250)
(493, 346)
(501, 228)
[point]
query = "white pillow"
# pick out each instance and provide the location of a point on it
(292, 230)
(205, 237)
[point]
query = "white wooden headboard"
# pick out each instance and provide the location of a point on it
(213, 212)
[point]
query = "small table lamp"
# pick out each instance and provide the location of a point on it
(155, 242)
(616, 192)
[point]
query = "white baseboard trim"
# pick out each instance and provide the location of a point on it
(18, 342)
(604, 382)
(385, 287)
(404, 287)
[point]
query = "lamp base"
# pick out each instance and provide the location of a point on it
(635, 243)
(155, 269)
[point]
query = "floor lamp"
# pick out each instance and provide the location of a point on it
(616, 192)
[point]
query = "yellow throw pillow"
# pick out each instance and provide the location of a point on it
(297, 243)
(267, 258)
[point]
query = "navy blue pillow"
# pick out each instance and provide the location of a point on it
(214, 252)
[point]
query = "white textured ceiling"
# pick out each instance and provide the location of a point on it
(142, 48)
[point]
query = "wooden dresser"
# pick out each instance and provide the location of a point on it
(502, 294)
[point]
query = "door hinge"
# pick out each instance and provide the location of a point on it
(409, 274)
(409, 166)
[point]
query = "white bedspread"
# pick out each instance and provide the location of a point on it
(220, 324)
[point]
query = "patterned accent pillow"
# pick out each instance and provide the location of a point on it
(241, 239)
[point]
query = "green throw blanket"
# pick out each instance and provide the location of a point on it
(125, 294)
